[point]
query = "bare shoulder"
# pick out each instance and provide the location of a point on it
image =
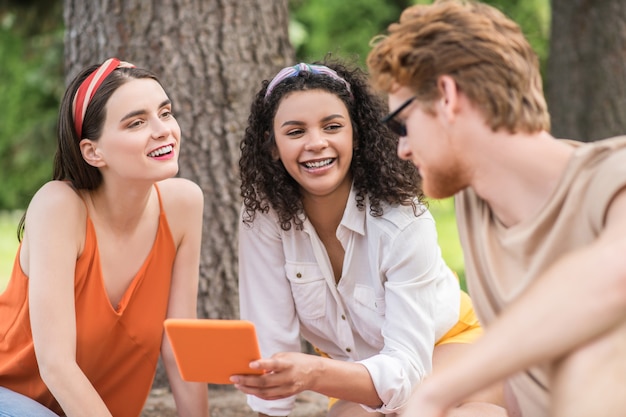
(57, 210)
(183, 203)
(180, 193)
(56, 198)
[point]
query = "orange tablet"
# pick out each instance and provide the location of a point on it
(212, 350)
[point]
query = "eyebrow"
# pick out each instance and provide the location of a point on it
(325, 119)
(140, 112)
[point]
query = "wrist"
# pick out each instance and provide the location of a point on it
(317, 370)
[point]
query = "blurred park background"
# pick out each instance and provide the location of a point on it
(32, 82)
(214, 54)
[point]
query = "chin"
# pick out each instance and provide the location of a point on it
(439, 191)
(437, 194)
(170, 173)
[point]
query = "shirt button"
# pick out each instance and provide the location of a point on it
(343, 317)
(348, 350)
(299, 275)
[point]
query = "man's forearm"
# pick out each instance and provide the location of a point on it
(537, 327)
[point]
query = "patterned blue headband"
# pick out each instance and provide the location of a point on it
(297, 69)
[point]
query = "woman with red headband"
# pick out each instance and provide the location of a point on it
(109, 249)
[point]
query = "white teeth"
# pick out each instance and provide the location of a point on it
(318, 164)
(161, 151)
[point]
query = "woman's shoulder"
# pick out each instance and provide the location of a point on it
(402, 216)
(181, 192)
(183, 204)
(56, 196)
(57, 209)
(264, 221)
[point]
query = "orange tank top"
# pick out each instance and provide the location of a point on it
(117, 349)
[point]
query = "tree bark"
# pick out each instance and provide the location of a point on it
(211, 56)
(586, 73)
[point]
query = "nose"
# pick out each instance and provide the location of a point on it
(316, 141)
(160, 128)
(404, 152)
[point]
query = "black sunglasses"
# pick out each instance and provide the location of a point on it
(396, 126)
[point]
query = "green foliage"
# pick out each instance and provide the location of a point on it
(31, 88)
(533, 16)
(345, 28)
(8, 244)
(445, 220)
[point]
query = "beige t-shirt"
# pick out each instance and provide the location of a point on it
(501, 262)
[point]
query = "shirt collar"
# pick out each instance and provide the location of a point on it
(353, 218)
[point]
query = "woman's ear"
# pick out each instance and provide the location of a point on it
(91, 153)
(355, 135)
(275, 155)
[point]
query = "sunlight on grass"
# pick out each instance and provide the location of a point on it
(443, 212)
(8, 244)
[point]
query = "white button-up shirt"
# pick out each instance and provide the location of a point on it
(395, 299)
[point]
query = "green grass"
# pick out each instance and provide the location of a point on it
(8, 244)
(442, 210)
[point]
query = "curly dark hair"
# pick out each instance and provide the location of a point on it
(377, 171)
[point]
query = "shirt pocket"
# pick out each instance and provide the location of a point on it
(366, 296)
(369, 311)
(308, 288)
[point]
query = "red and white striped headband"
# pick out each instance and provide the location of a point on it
(88, 89)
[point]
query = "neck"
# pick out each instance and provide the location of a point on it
(325, 212)
(517, 174)
(120, 209)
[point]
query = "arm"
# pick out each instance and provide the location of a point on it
(265, 298)
(183, 202)
(50, 264)
(603, 307)
(421, 303)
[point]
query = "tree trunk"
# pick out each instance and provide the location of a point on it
(586, 74)
(211, 56)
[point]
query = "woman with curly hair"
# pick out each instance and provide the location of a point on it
(336, 246)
